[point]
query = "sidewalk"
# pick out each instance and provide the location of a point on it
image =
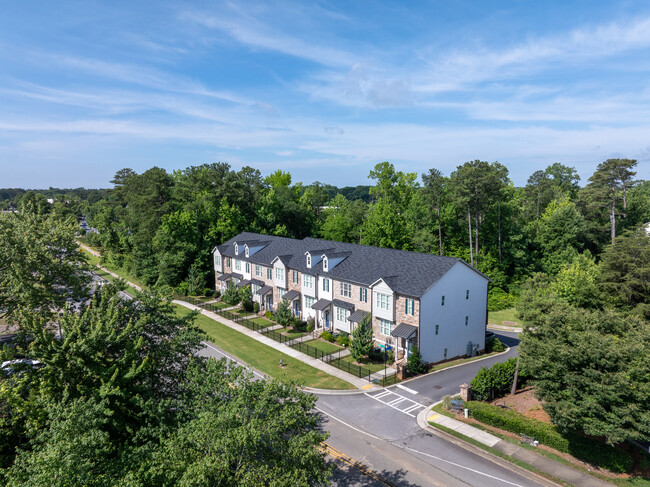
(317, 364)
(542, 463)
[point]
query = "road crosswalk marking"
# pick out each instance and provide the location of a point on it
(397, 402)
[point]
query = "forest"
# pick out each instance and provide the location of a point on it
(161, 226)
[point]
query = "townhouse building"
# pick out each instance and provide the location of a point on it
(437, 303)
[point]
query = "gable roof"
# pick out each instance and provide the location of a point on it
(407, 273)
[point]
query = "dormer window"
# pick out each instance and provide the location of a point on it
(236, 249)
(325, 264)
(308, 261)
(246, 250)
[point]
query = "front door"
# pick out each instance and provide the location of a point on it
(327, 319)
(269, 301)
(296, 307)
(409, 346)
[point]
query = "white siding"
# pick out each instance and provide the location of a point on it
(309, 291)
(279, 282)
(452, 332)
(219, 267)
(382, 288)
(325, 294)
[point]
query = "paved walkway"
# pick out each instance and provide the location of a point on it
(317, 364)
(545, 464)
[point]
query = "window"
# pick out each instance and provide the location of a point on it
(410, 307)
(325, 264)
(467, 294)
(269, 273)
(363, 294)
(308, 261)
(309, 302)
(295, 277)
(466, 320)
(437, 328)
(443, 301)
(279, 274)
(308, 281)
(346, 290)
(342, 314)
(217, 260)
(281, 292)
(248, 267)
(254, 288)
(445, 353)
(383, 301)
(227, 261)
(258, 270)
(238, 265)
(385, 326)
(326, 284)
(236, 249)
(246, 251)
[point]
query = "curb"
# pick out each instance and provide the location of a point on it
(422, 423)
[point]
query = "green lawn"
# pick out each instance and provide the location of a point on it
(242, 312)
(291, 333)
(498, 317)
(323, 346)
(220, 305)
(263, 322)
(374, 367)
(264, 358)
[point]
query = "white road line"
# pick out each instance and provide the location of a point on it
(395, 401)
(416, 451)
(382, 394)
(407, 389)
(413, 408)
(462, 466)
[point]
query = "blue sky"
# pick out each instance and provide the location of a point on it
(324, 90)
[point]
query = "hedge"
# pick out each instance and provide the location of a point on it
(586, 449)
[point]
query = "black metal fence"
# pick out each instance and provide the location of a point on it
(335, 359)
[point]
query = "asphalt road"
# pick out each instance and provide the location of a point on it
(379, 430)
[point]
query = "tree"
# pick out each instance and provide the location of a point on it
(434, 186)
(40, 263)
(625, 273)
(238, 432)
(414, 362)
(231, 295)
(589, 367)
(283, 313)
(561, 234)
(361, 344)
(613, 177)
(576, 282)
(246, 298)
(195, 280)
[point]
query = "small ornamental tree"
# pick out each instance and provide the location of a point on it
(361, 344)
(231, 295)
(414, 363)
(283, 313)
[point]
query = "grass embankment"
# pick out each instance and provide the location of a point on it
(372, 366)
(264, 358)
(498, 317)
(460, 361)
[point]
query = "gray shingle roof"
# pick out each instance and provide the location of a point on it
(357, 316)
(343, 304)
(291, 295)
(407, 273)
(404, 331)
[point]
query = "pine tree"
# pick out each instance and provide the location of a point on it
(361, 344)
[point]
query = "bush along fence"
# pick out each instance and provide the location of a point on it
(335, 358)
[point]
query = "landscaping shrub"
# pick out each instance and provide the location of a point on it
(207, 291)
(269, 314)
(326, 335)
(283, 314)
(309, 327)
(343, 340)
(256, 307)
(217, 294)
(446, 403)
(182, 288)
(231, 296)
(495, 381)
(390, 357)
(248, 305)
(495, 345)
(414, 363)
(586, 449)
(362, 344)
